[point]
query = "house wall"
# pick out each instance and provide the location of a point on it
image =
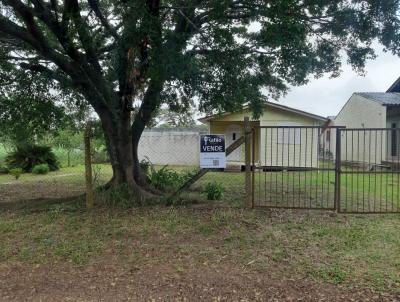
(222, 127)
(361, 146)
(288, 147)
(284, 152)
(171, 146)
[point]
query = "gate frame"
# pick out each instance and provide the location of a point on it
(336, 169)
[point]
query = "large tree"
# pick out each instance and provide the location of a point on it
(128, 58)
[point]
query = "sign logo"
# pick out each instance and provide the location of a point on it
(212, 151)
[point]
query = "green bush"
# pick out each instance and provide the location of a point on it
(165, 179)
(16, 172)
(28, 156)
(145, 164)
(41, 169)
(214, 191)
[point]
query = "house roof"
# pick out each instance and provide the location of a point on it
(384, 98)
(395, 87)
(274, 105)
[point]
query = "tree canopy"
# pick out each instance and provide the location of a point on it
(128, 58)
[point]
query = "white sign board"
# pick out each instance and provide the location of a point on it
(212, 151)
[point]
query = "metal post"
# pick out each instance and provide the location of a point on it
(247, 147)
(338, 162)
(253, 168)
(88, 168)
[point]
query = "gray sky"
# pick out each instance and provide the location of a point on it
(326, 96)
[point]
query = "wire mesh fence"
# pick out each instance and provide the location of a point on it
(174, 151)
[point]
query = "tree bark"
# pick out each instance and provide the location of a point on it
(117, 129)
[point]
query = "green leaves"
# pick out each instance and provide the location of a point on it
(217, 55)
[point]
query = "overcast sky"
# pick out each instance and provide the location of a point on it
(326, 96)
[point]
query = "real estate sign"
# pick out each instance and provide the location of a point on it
(212, 151)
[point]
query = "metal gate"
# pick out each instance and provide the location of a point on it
(326, 168)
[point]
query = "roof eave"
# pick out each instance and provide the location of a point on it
(293, 110)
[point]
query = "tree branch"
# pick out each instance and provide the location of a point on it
(94, 5)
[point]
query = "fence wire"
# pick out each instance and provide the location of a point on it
(172, 150)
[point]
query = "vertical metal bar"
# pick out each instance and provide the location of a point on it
(352, 167)
(358, 168)
(283, 148)
(337, 170)
(300, 165)
(253, 155)
(294, 165)
(274, 174)
(397, 172)
(277, 164)
(370, 170)
(323, 166)
(376, 164)
(392, 160)
(265, 163)
(363, 175)
(305, 172)
(288, 170)
(312, 172)
(329, 164)
(347, 160)
(387, 159)
(318, 171)
(381, 175)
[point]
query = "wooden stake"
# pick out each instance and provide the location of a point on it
(88, 168)
(247, 158)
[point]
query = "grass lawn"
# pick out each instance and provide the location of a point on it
(65, 182)
(359, 192)
(162, 253)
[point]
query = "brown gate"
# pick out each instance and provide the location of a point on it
(327, 168)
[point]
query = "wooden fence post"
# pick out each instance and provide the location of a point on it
(88, 167)
(247, 148)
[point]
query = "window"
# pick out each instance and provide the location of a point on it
(290, 135)
(234, 136)
(328, 135)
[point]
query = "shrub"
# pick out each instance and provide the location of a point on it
(16, 172)
(164, 178)
(145, 164)
(28, 156)
(41, 169)
(214, 191)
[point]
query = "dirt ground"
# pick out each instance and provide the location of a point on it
(114, 282)
(63, 253)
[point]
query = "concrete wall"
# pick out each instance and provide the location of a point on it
(171, 146)
(362, 146)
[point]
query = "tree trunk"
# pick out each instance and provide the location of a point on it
(119, 137)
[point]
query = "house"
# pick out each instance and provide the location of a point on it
(371, 110)
(291, 146)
